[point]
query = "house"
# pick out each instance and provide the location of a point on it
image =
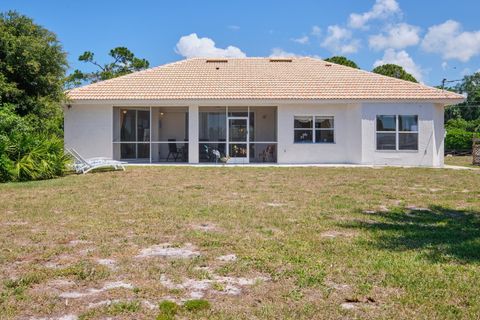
(259, 110)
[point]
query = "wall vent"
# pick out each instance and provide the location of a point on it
(281, 60)
(217, 60)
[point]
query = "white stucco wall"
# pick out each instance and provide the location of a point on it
(88, 129)
(439, 144)
(430, 135)
(347, 138)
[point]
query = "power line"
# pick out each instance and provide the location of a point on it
(445, 81)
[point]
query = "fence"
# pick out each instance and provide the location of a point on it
(476, 151)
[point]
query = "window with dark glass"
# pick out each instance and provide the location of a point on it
(303, 129)
(397, 132)
(408, 132)
(313, 129)
(324, 130)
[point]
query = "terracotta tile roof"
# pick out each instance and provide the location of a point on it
(257, 78)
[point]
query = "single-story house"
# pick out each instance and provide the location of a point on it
(259, 110)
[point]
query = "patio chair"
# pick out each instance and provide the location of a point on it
(82, 165)
(173, 150)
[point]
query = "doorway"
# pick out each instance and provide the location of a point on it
(238, 139)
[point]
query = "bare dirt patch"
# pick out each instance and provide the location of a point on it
(227, 258)
(93, 291)
(196, 289)
(109, 263)
(337, 286)
(77, 242)
(336, 234)
(354, 303)
(166, 250)
(206, 227)
(60, 261)
(64, 317)
(15, 223)
(415, 208)
(275, 204)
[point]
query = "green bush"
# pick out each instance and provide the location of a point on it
(458, 139)
(459, 123)
(26, 152)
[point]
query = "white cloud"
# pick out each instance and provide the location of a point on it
(382, 9)
(451, 42)
(234, 27)
(401, 58)
(316, 31)
(444, 65)
(280, 53)
(398, 36)
(301, 40)
(192, 46)
(339, 40)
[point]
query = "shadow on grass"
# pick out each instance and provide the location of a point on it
(441, 234)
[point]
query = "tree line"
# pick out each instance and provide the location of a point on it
(33, 67)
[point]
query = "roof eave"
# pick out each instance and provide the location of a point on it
(226, 101)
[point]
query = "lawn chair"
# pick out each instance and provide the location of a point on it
(82, 165)
(173, 150)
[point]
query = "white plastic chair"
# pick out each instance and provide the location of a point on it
(82, 165)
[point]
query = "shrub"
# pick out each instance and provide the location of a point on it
(458, 139)
(459, 123)
(27, 153)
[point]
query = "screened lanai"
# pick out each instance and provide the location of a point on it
(238, 134)
(152, 134)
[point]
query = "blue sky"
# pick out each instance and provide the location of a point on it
(431, 39)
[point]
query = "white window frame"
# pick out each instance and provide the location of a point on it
(323, 129)
(397, 133)
(313, 129)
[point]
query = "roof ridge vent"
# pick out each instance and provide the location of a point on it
(217, 61)
(281, 60)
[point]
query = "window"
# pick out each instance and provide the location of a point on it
(303, 130)
(313, 129)
(408, 132)
(397, 132)
(323, 129)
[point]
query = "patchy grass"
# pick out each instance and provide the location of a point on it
(125, 308)
(196, 305)
(168, 309)
(464, 161)
(309, 243)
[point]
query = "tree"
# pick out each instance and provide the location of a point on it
(124, 62)
(343, 61)
(394, 71)
(470, 109)
(32, 66)
(32, 73)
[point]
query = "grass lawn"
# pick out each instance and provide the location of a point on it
(464, 161)
(243, 243)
